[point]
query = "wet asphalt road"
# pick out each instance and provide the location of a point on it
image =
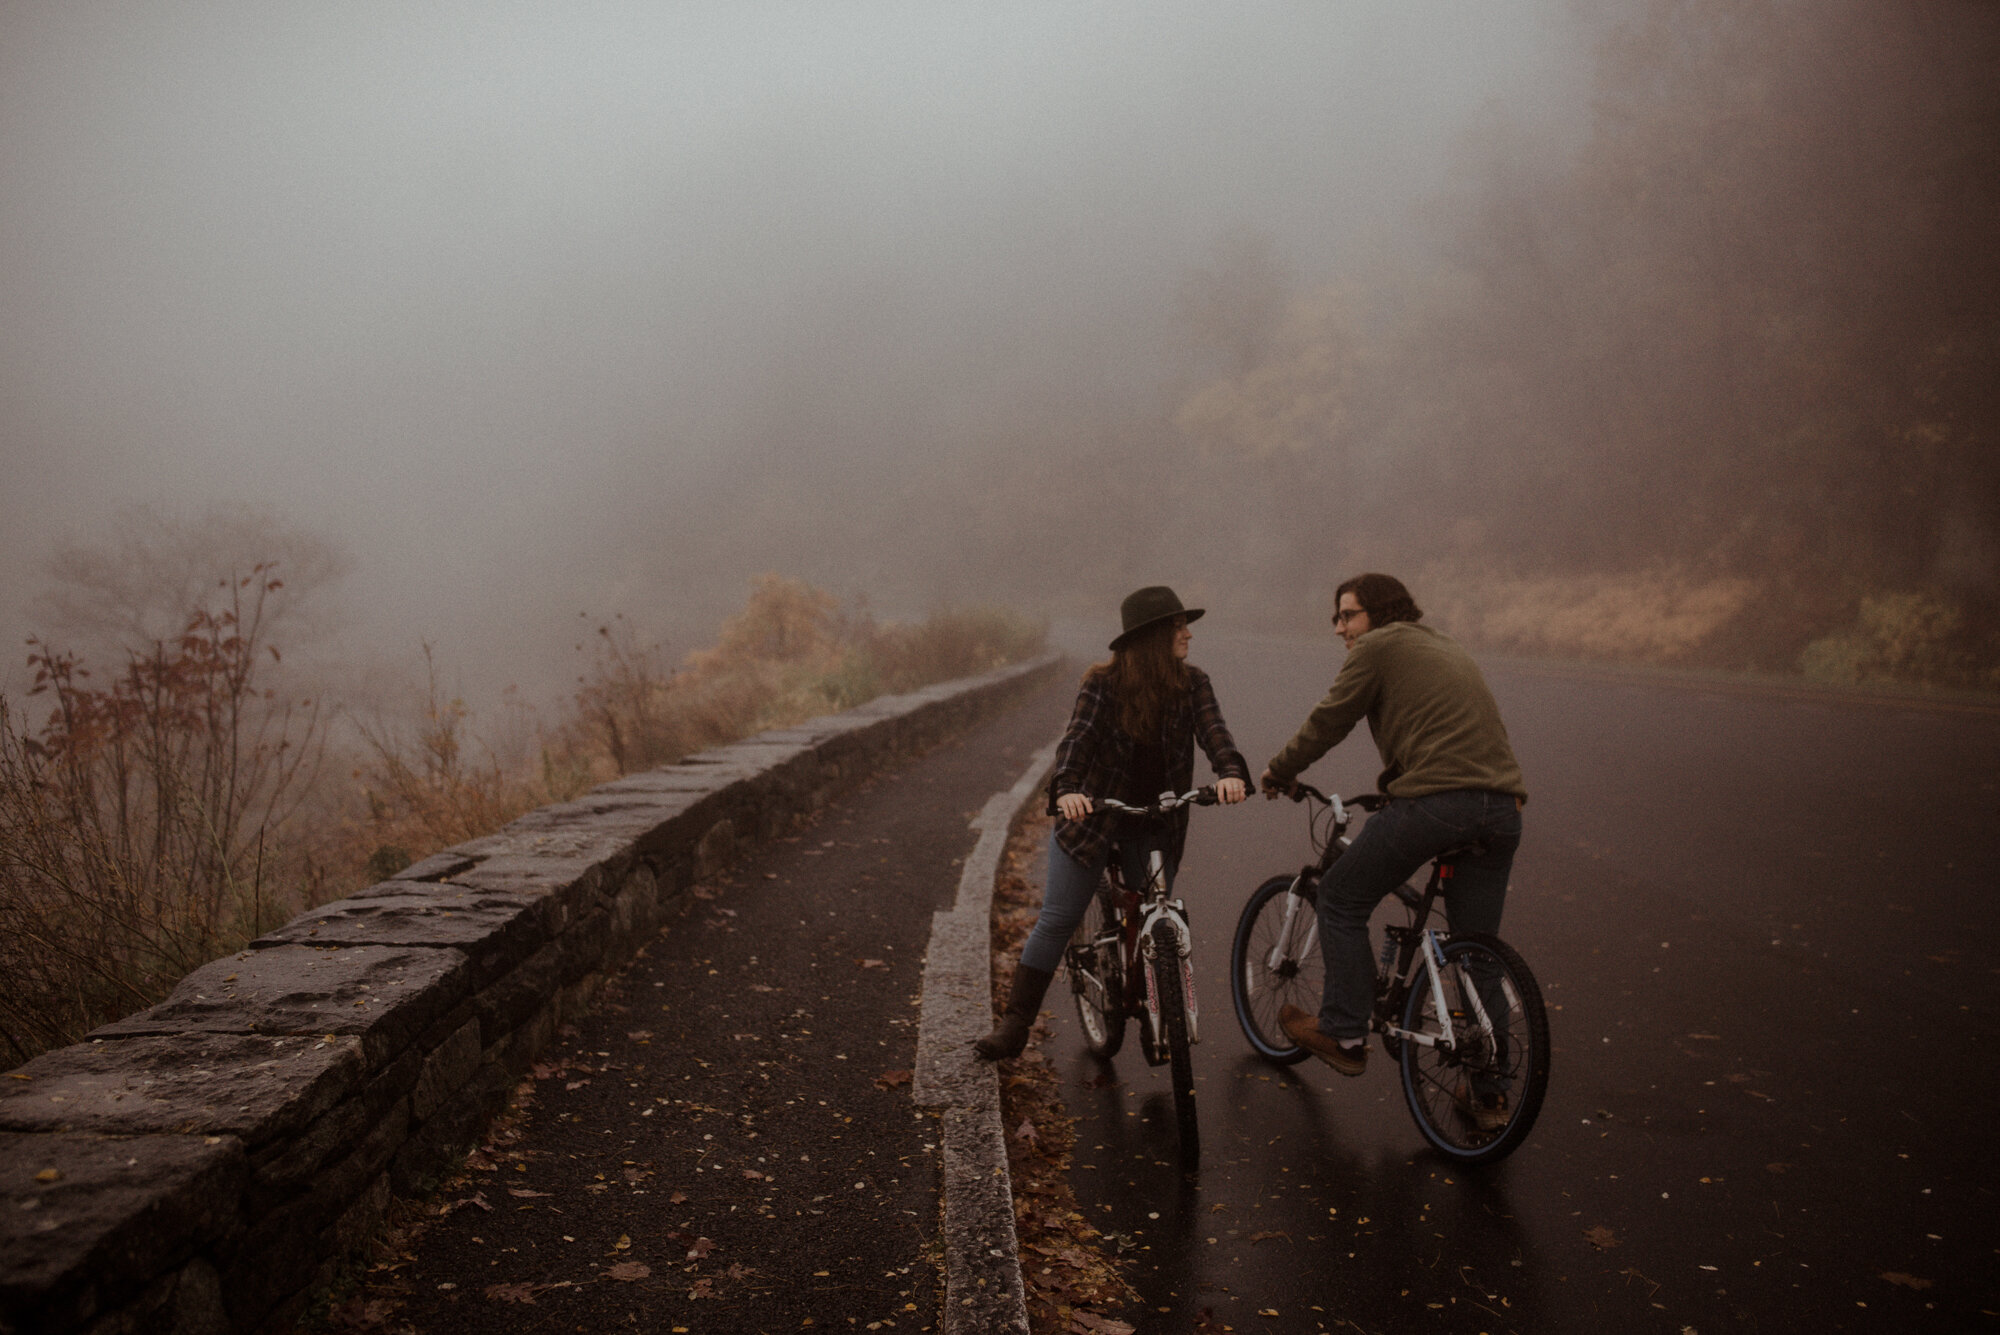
(726, 1142)
(1766, 927)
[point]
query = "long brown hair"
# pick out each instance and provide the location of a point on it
(1146, 678)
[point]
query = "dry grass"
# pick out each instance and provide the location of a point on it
(1675, 616)
(793, 653)
(1658, 616)
(156, 823)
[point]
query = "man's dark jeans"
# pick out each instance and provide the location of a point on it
(1396, 841)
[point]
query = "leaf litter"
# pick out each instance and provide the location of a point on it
(1072, 1285)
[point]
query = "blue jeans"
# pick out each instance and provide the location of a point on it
(1071, 884)
(1395, 842)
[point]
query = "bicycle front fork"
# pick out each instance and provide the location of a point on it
(1177, 914)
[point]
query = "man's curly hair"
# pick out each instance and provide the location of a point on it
(1382, 597)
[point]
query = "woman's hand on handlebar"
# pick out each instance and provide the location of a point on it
(1272, 788)
(1074, 806)
(1229, 791)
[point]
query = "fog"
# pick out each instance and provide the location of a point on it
(505, 298)
(532, 311)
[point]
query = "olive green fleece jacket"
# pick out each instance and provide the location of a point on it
(1433, 719)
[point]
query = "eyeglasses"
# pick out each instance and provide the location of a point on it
(1347, 614)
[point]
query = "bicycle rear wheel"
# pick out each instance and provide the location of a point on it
(1275, 962)
(1452, 1091)
(1097, 978)
(1166, 966)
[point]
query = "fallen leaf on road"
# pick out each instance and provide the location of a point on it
(574, 1084)
(1907, 1281)
(738, 1271)
(873, 964)
(678, 1198)
(1600, 1237)
(525, 1193)
(891, 1079)
(753, 1175)
(702, 1289)
(511, 1293)
(639, 1035)
(1098, 1325)
(624, 1243)
(1025, 1133)
(1266, 1235)
(699, 1249)
(762, 987)
(625, 1272)
(477, 1198)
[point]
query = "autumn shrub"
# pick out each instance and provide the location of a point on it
(1901, 636)
(792, 653)
(954, 643)
(1663, 615)
(143, 825)
(430, 784)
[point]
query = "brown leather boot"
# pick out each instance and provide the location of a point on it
(1024, 1003)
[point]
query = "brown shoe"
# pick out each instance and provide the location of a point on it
(1303, 1029)
(1488, 1112)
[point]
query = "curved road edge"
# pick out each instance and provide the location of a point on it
(983, 1290)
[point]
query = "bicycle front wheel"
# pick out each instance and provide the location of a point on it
(1476, 1097)
(1097, 978)
(1274, 962)
(1166, 967)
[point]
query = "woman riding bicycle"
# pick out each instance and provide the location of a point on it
(1131, 736)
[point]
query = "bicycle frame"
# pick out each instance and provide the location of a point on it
(1140, 911)
(1393, 989)
(1404, 975)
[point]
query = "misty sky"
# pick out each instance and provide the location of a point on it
(471, 288)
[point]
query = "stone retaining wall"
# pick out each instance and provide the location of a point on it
(202, 1166)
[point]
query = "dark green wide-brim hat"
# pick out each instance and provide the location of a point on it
(1148, 606)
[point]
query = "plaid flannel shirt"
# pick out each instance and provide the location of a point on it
(1095, 758)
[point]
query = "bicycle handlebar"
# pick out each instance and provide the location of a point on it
(1203, 796)
(1301, 790)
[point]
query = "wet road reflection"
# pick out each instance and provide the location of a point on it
(1751, 1121)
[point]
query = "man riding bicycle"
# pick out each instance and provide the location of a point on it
(1453, 783)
